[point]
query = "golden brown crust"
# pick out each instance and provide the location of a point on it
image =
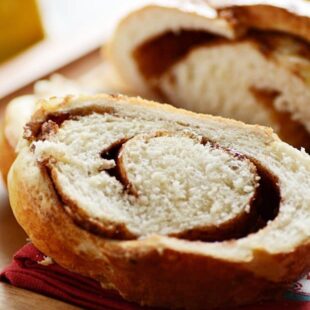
(289, 16)
(17, 113)
(156, 270)
(226, 284)
(77, 104)
(7, 153)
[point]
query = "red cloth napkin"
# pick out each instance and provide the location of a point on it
(52, 280)
(55, 281)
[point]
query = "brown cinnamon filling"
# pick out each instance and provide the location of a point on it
(289, 130)
(37, 130)
(155, 56)
(264, 205)
(158, 54)
(79, 216)
(112, 153)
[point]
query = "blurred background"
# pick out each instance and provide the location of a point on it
(63, 18)
(24, 20)
(39, 36)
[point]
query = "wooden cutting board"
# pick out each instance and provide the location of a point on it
(12, 236)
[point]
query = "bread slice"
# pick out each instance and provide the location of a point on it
(172, 208)
(239, 59)
(146, 172)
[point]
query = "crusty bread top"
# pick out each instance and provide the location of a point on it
(290, 16)
(17, 113)
(297, 7)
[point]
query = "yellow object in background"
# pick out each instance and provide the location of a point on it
(20, 26)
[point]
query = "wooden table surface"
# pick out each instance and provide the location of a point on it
(12, 236)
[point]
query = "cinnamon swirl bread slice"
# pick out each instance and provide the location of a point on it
(247, 60)
(170, 207)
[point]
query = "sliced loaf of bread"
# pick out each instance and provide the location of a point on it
(172, 208)
(247, 60)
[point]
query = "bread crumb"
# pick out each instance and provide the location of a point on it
(46, 261)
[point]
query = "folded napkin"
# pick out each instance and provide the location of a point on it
(31, 270)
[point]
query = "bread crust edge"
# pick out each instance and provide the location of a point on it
(7, 154)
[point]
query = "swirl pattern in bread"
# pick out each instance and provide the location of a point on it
(247, 60)
(172, 208)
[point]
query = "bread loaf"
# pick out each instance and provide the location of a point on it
(247, 60)
(173, 209)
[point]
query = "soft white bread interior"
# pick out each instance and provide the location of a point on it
(172, 208)
(247, 60)
(166, 169)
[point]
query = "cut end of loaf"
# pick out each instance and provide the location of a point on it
(211, 64)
